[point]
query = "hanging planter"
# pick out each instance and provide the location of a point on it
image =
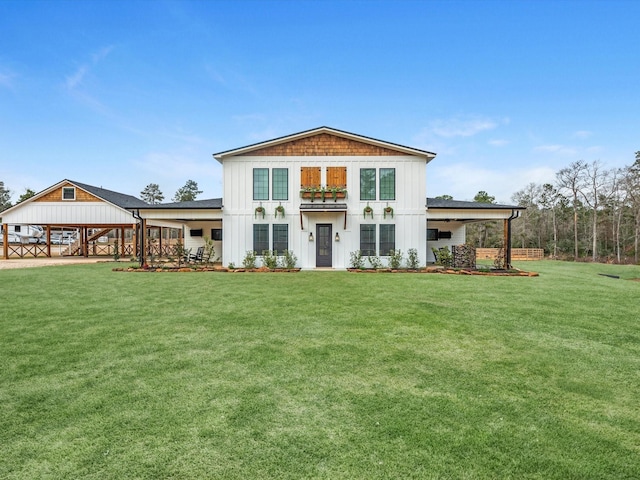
(367, 211)
(387, 211)
(279, 210)
(259, 211)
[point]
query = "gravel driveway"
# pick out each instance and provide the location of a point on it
(46, 262)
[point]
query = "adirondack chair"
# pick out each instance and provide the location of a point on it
(197, 257)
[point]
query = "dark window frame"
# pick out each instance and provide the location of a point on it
(387, 230)
(216, 234)
(282, 182)
(66, 190)
(280, 244)
(260, 184)
(367, 185)
(367, 243)
(387, 188)
(260, 243)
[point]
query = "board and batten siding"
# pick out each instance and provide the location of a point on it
(239, 206)
(69, 213)
(458, 236)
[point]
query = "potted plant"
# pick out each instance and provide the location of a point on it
(279, 210)
(387, 211)
(367, 211)
(259, 211)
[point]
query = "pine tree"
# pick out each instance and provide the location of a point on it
(152, 194)
(5, 197)
(187, 193)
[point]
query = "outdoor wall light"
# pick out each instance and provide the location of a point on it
(311, 236)
(337, 237)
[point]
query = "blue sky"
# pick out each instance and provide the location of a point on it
(121, 94)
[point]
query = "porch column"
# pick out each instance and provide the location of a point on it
(142, 239)
(122, 241)
(5, 241)
(48, 228)
(134, 240)
(85, 241)
(507, 243)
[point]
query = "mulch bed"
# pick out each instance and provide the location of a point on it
(452, 271)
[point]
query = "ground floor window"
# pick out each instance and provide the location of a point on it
(368, 239)
(260, 238)
(280, 238)
(387, 238)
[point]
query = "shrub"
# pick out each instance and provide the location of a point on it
(375, 261)
(249, 260)
(356, 260)
(269, 259)
(443, 256)
(209, 250)
(395, 259)
(289, 259)
(116, 250)
(412, 261)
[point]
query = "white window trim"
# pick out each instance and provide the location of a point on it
(69, 199)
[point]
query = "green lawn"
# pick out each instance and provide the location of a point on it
(331, 375)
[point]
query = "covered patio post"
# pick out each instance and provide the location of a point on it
(5, 241)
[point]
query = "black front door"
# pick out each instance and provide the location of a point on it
(323, 245)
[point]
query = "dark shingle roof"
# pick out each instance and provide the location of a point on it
(211, 203)
(441, 203)
(120, 199)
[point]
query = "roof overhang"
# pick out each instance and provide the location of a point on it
(428, 156)
(323, 207)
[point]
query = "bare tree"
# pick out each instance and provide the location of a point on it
(594, 180)
(569, 180)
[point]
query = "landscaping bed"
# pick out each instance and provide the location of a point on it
(451, 271)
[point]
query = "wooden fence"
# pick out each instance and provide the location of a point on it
(517, 254)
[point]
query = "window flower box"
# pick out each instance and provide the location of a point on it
(323, 193)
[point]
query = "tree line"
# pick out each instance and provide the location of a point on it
(588, 212)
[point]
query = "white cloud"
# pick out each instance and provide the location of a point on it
(558, 149)
(582, 134)
(498, 142)
(76, 78)
(465, 126)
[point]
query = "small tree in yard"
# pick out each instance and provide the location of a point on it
(181, 252)
(209, 253)
(413, 262)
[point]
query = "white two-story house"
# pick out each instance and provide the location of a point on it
(325, 193)
(321, 194)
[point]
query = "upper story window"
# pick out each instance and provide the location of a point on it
(280, 183)
(261, 184)
(387, 184)
(367, 184)
(68, 193)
